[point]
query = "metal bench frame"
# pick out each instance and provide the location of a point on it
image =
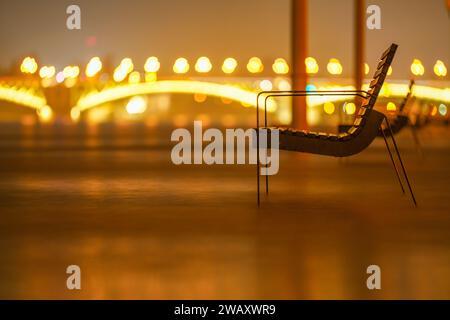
(374, 118)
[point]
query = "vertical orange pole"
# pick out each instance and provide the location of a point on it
(299, 49)
(360, 28)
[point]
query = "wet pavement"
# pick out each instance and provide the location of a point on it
(141, 227)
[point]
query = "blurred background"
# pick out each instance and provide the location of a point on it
(85, 170)
(130, 61)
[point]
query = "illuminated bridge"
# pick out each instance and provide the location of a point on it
(40, 88)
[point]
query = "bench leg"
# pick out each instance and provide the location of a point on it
(392, 160)
(257, 151)
(401, 163)
(258, 165)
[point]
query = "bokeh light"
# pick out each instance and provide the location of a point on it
(349, 108)
(29, 65)
(417, 68)
(334, 67)
(266, 85)
(255, 65)
(440, 69)
(136, 105)
(229, 65)
(329, 107)
(93, 67)
(280, 66)
(203, 65)
(181, 66)
(391, 106)
(47, 72)
(311, 65)
(152, 64)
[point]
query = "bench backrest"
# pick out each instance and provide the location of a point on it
(374, 88)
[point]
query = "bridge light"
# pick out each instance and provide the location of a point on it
(229, 65)
(60, 77)
(280, 66)
(440, 69)
(443, 110)
(266, 85)
(29, 65)
(119, 74)
(47, 72)
(181, 66)
(127, 65)
(200, 97)
(284, 85)
(71, 72)
(434, 111)
(134, 78)
(391, 106)
(75, 114)
(311, 65)
(172, 86)
(152, 65)
(417, 68)
(45, 113)
(329, 107)
(334, 67)
(136, 105)
(255, 65)
(75, 71)
(151, 77)
(366, 69)
(349, 108)
(93, 67)
(203, 65)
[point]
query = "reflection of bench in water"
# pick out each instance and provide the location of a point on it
(359, 136)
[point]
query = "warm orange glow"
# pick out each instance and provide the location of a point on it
(136, 105)
(334, 67)
(71, 72)
(127, 65)
(440, 69)
(29, 65)
(391, 106)
(199, 97)
(45, 113)
(229, 65)
(329, 107)
(203, 65)
(134, 77)
(181, 66)
(366, 69)
(417, 68)
(443, 110)
(152, 65)
(280, 66)
(47, 72)
(151, 77)
(311, 65)
(350, 108)
(434, 111)
(266, 85)
(255, 65)
(93, 67)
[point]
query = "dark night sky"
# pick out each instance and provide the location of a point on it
(217, 29)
